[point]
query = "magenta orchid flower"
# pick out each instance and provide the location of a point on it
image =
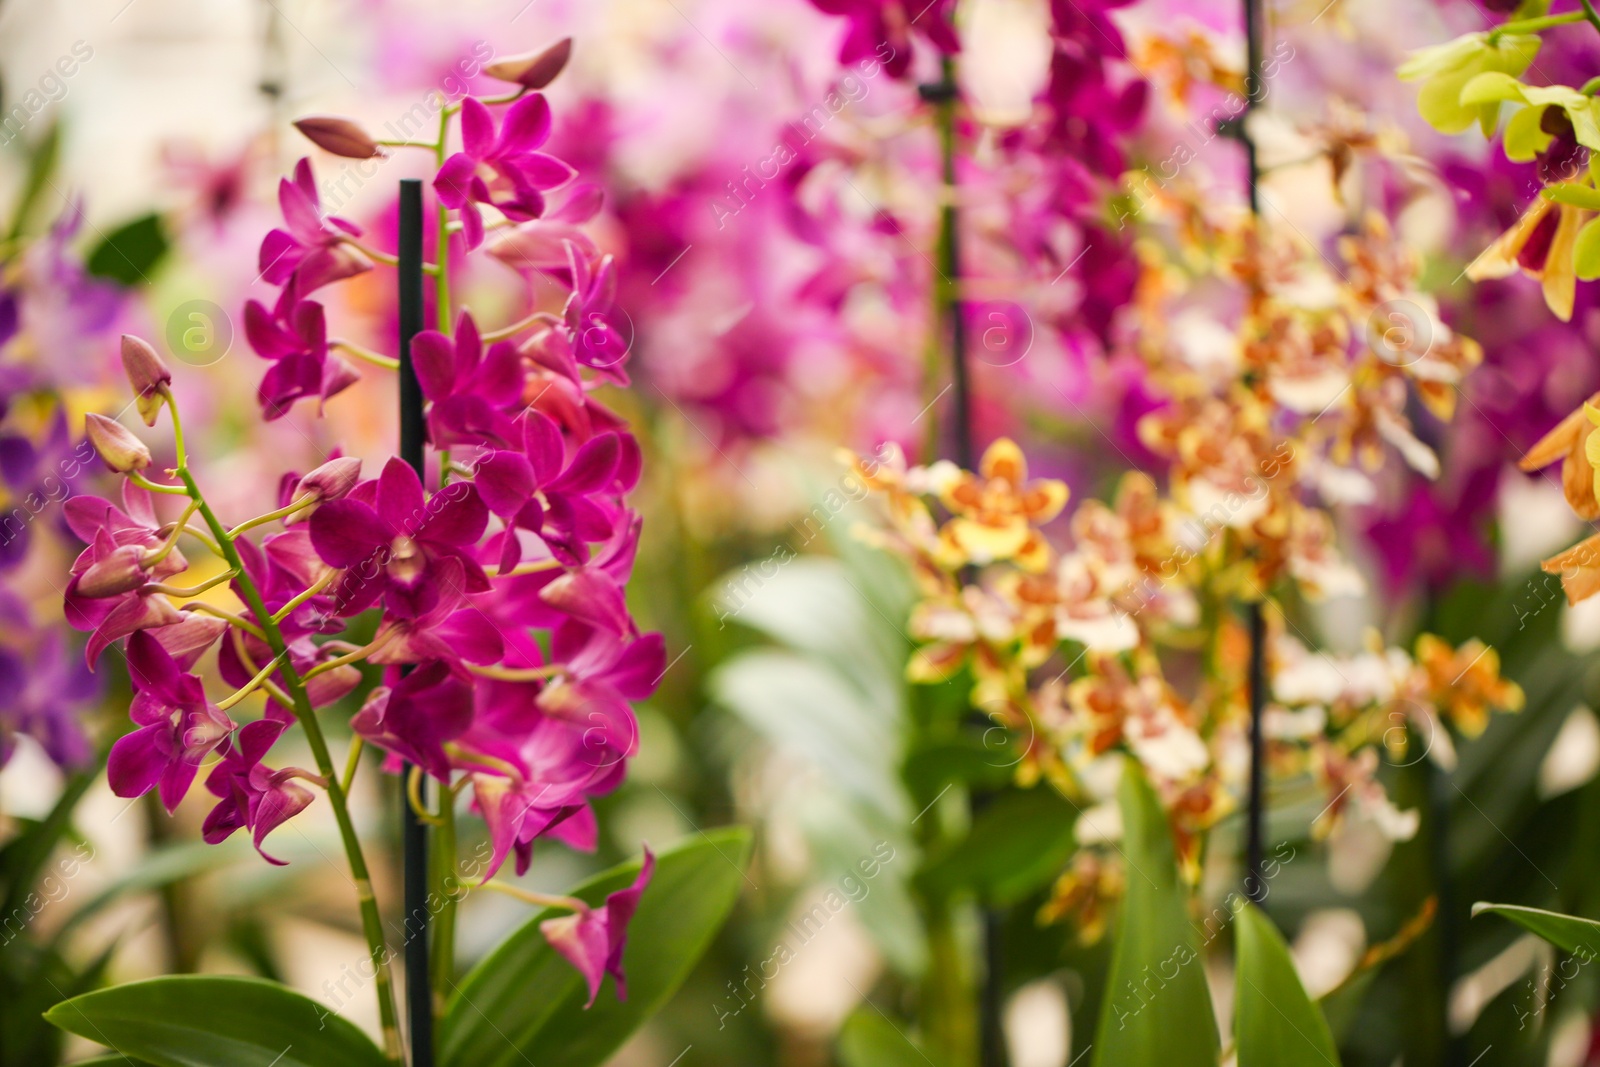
(504, 169)
(538, 489)
(177, 727)
(414, 551)
(882, 29)
(516, 680)
(416, 715)
(106, 594)
(313, 251)
(470, 389)
(593, 940)
(294, 336)
(251, 795)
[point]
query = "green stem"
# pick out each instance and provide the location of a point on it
(1590, 14)
(371, 922)
(447, 888)
(441, 279)
(1543, 22)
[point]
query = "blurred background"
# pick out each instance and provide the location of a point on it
(777, 307)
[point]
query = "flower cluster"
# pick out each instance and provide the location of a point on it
(1556, 239)
(1113, 641)
(52, 312)
(1281, 385)
(510, 659)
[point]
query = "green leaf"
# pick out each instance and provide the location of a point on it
(524, 1002)
(1569, 933)
(41, 165)
(214, 1021)
(113, 1060)
(23, 858)
(1158, 1010)
(1017, 844)
(129, 254)
(868, 1039)
(1277, 1024)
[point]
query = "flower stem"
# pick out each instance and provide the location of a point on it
(227, 616)
(371, 922)
(272, 516)
(145, 483)
(316, 587)
(1543, 22)
(185, 591)
(353, 657)
(441, 277)
(251, 686)
(366, 355)
(528, 896)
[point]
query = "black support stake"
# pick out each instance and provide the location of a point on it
(414, 832)
(1255, 885)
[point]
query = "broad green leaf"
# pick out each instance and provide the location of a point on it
(1276, 1024)
(1158, 1010)
(524, 1003)
(1017, 844)
(113, 1060)
(130, 253)
(213, 1021)
(1569, 933)
(869, 1039)
(1586, 249)
(23, 858)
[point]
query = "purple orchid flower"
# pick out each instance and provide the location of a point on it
(470, 389)
(590, 316)
(313, 251)
(414, 716)
(593, 940)
(177, 727)
(539, 490)
(251, 794)
(414, 551)
(106, 594)
(505, 170)
(42, 688)
(881, 29)
(295, 337)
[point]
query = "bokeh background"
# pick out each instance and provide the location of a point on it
(774, 319)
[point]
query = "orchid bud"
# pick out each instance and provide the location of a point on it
(147, 373)
(120, 572)
(331, 481)
(121, 451)
(533, 70)
(339, 136)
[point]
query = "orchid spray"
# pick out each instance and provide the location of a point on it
(510, 659)
(1110, 653)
